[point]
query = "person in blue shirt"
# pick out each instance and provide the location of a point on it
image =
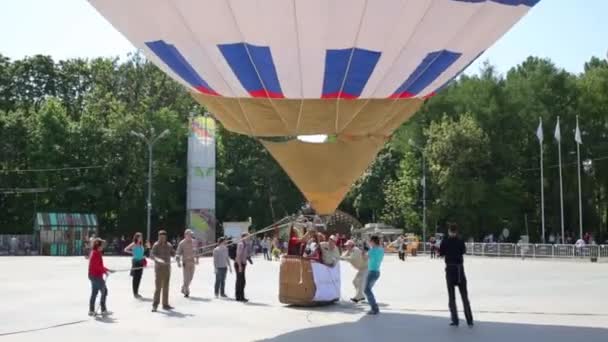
(374, 260)
(137, 249)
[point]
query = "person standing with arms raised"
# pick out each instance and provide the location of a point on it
(453, 249)
(188, 258)
(161, 253)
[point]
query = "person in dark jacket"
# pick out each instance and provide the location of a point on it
(452, 249)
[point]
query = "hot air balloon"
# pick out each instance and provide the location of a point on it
(354, 70)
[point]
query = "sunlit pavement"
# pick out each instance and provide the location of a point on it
(46, 298)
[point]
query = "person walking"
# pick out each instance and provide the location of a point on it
(161, 254)
(187, 257)
(240, 264)
(433, 247)
(374, 257)
(138, 261)
(400, 244)
(354, 256)
(97, 271)
(265, 248)
(453, 249)
(221, 263)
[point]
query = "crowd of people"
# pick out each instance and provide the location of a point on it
(366, 258)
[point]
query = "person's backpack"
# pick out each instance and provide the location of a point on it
(232, 251)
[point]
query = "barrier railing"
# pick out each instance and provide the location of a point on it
(531, 250)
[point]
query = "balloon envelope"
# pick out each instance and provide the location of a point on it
(356, 69)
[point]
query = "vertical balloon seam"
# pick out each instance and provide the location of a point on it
(349, 63)
(477, 11)
(297, 29)
(202, 48)
(392, 65)
(255, 67)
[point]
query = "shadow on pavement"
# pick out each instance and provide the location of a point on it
(393, 327)
(199, 299)
(175, 314)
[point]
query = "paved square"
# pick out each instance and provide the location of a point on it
(513, 300)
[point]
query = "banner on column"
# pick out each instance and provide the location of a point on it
(201, 178)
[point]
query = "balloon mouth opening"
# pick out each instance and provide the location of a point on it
(315, 138)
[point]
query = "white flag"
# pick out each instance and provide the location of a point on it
(558, 133)
(577, 134)
(539, 131)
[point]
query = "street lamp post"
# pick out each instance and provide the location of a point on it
(413, 144)
(150, 142)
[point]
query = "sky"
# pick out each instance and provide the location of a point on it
(568, 32)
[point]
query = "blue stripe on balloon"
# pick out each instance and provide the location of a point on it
(529, 3)
(441, 87)
(171, 56)
(254, 67)
(342, 80)
(431, 67)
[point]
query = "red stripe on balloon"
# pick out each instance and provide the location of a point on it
(207, 91)
(266, 94)
(404, 95)
(339, 95)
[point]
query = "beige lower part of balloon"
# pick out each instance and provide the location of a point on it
(325, 172)
(262, 117)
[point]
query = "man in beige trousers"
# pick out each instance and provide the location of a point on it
(161, 254)
(354, 256)
(187, 257)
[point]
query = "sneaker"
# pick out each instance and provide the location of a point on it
(373, 312)
(168, 307)
(470, 324)
(154, 309)
(91, 313)
(223, 295)
(106, 313)
(454, 324)
(137, 296)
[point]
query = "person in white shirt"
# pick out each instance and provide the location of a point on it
(354, 256)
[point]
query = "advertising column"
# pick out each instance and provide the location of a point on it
(201, 179)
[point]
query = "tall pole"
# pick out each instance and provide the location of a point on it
(423, 203)
(539, 135)
(561, 189)
(542, 193)
(149, 204)
(580, 199)
(150, 143)
(413, 144)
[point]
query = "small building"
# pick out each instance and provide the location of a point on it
(63, 233)
(384, 231)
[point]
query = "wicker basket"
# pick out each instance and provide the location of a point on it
(296, 283)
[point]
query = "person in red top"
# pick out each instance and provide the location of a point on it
(96, 272)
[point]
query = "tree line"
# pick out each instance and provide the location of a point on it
(65, 146)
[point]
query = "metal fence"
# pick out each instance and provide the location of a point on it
(531, 250)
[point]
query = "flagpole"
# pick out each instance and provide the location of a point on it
(561, 186)
(580, 199)
(542, 183)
